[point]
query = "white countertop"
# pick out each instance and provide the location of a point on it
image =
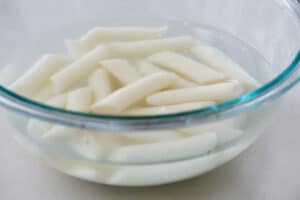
(269, 169)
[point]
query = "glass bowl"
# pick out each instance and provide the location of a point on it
(150, 150)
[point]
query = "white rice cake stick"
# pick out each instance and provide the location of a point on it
(80, 168)
(79, 69)
(45, 93)
(88, 146)
(59, 133)
(216, 92)
(158, 110)
(132, 93)
(121, 70)
(58, 101)
(226, 131)
(147, 68)
(38, 75)
(100, 83)
(146, 175)
(232, 123)
(186, 67)
(148, 47)
(96, 145)
(162, 151)
(36, 127)
(153, 136)
(100, 35)
(80, 100)
(217, 59)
